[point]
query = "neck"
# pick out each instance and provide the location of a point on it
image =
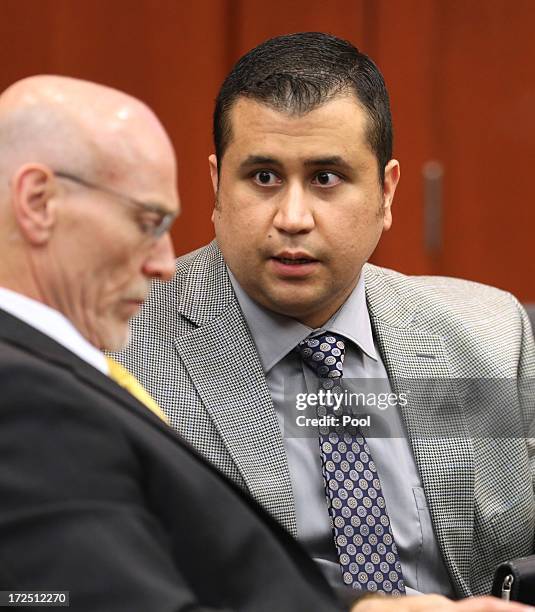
(19, 287)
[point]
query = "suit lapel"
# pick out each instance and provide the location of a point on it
(117, 393)
(417, 364)
(222, 360)
(19, 333)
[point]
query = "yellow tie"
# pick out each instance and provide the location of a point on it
(131, 384)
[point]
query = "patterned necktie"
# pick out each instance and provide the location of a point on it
(363, 538)
(128, 381)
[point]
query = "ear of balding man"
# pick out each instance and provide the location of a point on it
(34, 209)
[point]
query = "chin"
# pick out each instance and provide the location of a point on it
(288, 309)
(116, 340)
(293, 304)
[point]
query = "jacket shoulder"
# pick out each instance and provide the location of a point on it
(479, 323)
(445, 293)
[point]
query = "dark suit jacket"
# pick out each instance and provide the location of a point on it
(100, 498)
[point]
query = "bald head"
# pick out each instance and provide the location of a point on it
(78, 126)
(87, 191)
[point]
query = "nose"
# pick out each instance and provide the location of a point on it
(160, 263)
(294, 213)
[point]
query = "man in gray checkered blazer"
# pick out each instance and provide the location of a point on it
(304, 182)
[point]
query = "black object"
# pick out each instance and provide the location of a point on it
(515, 580)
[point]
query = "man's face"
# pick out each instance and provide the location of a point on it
(109, 255)
(299, 205)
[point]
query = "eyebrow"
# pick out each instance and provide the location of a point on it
(331, 161)
(152, 206)
(255, 160)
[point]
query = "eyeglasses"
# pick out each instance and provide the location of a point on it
(155, 229)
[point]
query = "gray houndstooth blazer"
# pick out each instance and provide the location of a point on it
(479, 487)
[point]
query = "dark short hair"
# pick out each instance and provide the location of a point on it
(299, 72)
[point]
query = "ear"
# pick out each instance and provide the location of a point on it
(32, 188)
(392, 173)
(212, 161)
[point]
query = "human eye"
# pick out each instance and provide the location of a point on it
(326, 179)
(150, 222)
(266, 178)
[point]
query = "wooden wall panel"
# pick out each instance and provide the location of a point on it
(255, 20)
(189, 60)
(25, 31)
(405, 50)
(463, 93)
(487, 96)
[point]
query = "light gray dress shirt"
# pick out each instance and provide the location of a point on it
(275, 337)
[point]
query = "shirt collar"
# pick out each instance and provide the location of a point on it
(275, 335)
(53, 324)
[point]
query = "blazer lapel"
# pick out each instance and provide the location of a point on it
(221, 359)
(119, 394)
(19, 333)
(417, 364)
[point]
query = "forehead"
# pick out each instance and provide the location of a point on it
(151, 180)
(338, 127)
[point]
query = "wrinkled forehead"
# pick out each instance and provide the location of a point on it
(144, 166)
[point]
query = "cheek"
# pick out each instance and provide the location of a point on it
(366, 217)
(240, 224)
(117, 274)
(352, 234)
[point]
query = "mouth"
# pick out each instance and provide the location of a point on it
(133, 306)
(293, 262)
(294, 259)
(296, 264)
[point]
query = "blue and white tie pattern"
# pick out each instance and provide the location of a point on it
(363, 538)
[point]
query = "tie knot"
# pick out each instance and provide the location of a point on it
(324, 354)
